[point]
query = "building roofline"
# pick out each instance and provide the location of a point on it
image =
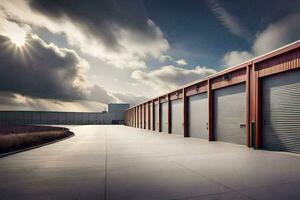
(257, 59)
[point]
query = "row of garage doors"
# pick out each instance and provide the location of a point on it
(228, 115)
(280, 113)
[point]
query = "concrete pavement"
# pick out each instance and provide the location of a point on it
(117, 162)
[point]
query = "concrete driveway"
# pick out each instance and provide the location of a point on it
(117, 162)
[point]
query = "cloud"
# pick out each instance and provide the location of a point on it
(170, 77)
(38, 73)
(164, 58)
(236, 57)
(232, 23)
(117, 32)
(181, 62)
(278, 34)
(129, 98)
(98, 93)
(274, 36)
(11, 101)
(41, 70)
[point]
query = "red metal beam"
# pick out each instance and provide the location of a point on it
(153, 115)
(258, 138)
(248, 106)
(210, 112)
(169, 115)
(159, 116)
(185, 114)
(145, 120)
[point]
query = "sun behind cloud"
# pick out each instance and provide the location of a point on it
(16, 34)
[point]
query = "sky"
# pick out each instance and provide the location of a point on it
(74, 55)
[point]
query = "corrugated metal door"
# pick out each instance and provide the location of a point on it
(177, 116)
(156, 117)
(198, 116)
(230, 114)
(281, 112)
(164, 117)
(146, 117)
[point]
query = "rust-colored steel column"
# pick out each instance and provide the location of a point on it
(248, 106)
(149, 121)
(141, 116)
(128, 118)
(159, 115)
(135, 118)
(258, 136)
(143, 119)
(210, 111)
(145, 114)
(252, 106)
(138, 117)
(153, 115)
(185, 115)
(169, 115)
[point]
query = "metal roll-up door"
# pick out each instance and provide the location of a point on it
(177, 116)
(151, 116)
(230, 114)
(156, 117)
(281, 112)
(198, 116)
(164, 117)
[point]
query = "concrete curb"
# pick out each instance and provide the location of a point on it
(34, 147)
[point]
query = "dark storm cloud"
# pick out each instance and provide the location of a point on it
(99, 18)
(39, 70)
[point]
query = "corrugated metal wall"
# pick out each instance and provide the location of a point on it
(41, 117)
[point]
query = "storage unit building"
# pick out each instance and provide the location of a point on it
(255, 103)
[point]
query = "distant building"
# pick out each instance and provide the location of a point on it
(118, 109)
(115, 115)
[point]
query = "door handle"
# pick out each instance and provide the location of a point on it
(264, 122)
